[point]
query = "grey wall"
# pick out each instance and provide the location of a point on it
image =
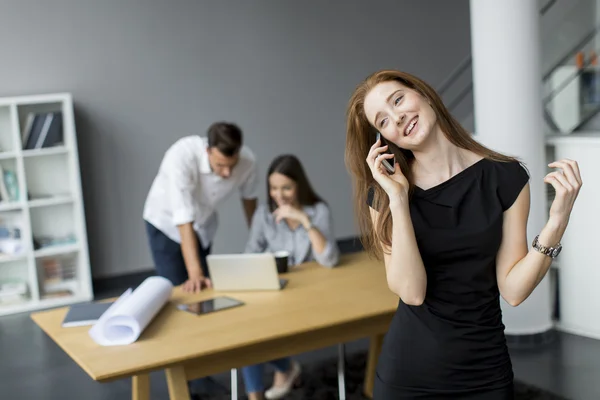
(144, 73)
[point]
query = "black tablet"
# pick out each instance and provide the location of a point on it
(210, 305)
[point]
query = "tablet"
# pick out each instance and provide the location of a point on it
(210, 305)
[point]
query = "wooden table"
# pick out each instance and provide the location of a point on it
(319, 307)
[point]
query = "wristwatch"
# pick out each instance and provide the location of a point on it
(551, 252)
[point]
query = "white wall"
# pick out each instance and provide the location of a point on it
(144, 73)
(578, 267)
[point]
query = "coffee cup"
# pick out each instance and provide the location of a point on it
(281, 260)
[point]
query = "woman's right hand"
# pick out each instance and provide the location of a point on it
(395, 185)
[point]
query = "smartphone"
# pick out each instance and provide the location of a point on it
(386, 163)
(210, 305)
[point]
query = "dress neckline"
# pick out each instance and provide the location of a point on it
(450, 180)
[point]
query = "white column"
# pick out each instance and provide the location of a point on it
(508, 118)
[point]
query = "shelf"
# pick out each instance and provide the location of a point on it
(15, 270)
(10, 205)
(10, 258)
(45, 207)
(13, 308)
(62, 301)
(56, 250)
(31, 305)
(48, 176)
(71, 285)
(50, 151)
(51, 201)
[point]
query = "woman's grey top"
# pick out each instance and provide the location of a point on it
(268, 236)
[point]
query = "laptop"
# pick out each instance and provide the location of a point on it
(244, 272)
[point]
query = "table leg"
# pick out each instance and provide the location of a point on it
(177, 383)
(140, 387)
(341, 374)
(374, 350)
(234, 384)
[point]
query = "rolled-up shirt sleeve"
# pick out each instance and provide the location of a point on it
(181, 188)
(323, 221)
(257, 242)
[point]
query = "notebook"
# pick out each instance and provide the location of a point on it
(84, 314)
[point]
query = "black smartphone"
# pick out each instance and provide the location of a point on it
(386, 163)
(210, 305)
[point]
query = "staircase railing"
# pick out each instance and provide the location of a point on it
(572, 88)
(465, 65)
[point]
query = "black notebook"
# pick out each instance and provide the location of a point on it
(85, 314)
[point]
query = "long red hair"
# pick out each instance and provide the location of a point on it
(360, 136)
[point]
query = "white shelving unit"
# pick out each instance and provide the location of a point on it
(48, 212)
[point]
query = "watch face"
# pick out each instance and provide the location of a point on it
(556, 252)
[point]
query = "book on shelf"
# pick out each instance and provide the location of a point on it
(58, 277)
(57, 270)
(42, 130)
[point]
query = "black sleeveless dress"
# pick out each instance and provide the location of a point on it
(453, 345)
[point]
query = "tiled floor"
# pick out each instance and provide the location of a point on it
(570, 367)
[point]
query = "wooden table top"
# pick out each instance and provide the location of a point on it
(315, 297)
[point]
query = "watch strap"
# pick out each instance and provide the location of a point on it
(550, 251)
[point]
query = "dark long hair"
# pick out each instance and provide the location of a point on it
(360, 136)
(290, 166)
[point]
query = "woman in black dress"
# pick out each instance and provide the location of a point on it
(450, 222)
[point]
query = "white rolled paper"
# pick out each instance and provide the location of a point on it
(127, 318)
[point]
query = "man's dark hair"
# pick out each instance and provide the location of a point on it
(225, 137)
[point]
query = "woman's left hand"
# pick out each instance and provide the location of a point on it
(566, 183)
(287, 211)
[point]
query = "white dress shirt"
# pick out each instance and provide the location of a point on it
(186, 190)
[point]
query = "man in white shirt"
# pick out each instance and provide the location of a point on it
(194, 177)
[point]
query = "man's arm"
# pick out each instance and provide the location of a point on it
(248, 193)
(189, 248)
(191, 256)
(249, 206)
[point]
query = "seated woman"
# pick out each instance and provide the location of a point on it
(298, 221)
